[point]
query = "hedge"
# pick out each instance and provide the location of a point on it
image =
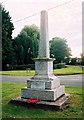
(59, 66)
(32, 66)
(21, 67)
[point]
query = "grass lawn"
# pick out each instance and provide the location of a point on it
(64, 71)
(69, 70)
(12, 89)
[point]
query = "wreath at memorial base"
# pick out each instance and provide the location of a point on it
(32, 100)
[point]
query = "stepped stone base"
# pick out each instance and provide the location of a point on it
(42, 83)
(50, 95)
(56, 105)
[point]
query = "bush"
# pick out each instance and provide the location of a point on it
(73, 61)
(59, 66)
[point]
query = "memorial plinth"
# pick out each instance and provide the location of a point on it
(44, 85)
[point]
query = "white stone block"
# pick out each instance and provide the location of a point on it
(50, 95)
(44, 67)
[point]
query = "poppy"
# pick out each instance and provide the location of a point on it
(33, 100)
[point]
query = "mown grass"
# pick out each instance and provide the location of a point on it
(64, 71)
(69, 70)
(18, 72)
(12, 89)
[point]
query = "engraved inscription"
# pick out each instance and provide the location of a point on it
(38, 85)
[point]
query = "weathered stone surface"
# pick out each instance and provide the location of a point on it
(44, 37)
(43, 67)
(51, 82)
(54, 105)
(50, 95)
(38, 85)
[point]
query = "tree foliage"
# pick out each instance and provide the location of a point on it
(7, 48)
(26, 45)
(59, 48)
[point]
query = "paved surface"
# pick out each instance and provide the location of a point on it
(72, 80)
(64, 80)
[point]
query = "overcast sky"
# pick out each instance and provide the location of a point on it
(64, 21)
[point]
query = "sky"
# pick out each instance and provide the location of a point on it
(64, 20)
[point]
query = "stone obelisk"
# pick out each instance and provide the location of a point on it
(44, 37)
(44, 85)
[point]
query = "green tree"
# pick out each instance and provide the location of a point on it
(7, 48)
(26, 44)
(59, 49)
